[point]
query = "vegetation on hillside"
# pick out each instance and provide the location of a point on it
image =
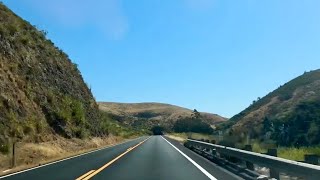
(192, 124)
(300, 128)
(42, 91)
(288, 116)
(287, 119)
(147, 115)
(285, 93)
(112, 126)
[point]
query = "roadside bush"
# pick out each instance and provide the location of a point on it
(192, 125)
(82, 133)
(27, 130)
(157, 130)
(4, 146)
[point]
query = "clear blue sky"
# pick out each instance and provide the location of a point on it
(212, 55)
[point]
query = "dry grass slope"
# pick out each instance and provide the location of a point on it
(279, 103)
(41, 90)
(33, 154)
(45, 105)
(288, 118)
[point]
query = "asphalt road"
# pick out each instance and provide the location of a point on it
(145, 158)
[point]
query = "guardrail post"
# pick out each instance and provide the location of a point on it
(214, 152)
(13, 161)
(311, 159)
(249, 165)
(273, 172)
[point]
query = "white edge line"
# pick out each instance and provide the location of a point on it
(72, 157)
(193, 162)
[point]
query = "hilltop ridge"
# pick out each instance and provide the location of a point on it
(149, 114)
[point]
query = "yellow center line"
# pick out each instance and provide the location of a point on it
(85, 175)
(114, 160)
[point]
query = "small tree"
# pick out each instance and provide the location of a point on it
(195, 114)
(267, 125)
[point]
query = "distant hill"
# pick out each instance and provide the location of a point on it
(150, 114)
(291, 111)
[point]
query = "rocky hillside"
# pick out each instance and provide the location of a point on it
(150, 114)
(41, 90)
(291, 113)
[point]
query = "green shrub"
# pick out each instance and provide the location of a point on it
(78, 113)
(192, 125)
(4, 148)
(12, 29)
(27, 130)
(24, 40)
(82, 133)
(2, 30)
(39, 126)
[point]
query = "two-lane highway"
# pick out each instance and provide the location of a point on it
(152, 157)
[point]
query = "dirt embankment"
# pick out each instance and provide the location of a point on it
(177, 138)
(34, 154)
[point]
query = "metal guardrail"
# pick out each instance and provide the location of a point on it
(281, 165)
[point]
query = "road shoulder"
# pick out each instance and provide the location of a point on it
(215, 170)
